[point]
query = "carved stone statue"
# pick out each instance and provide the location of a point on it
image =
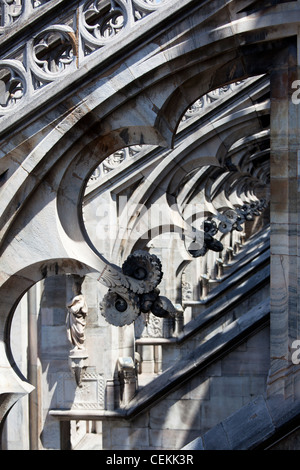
(76, 321)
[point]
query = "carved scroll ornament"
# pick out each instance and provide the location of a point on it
(204, 241)
(122, 306)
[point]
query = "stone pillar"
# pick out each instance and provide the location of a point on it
(220, 269)
(126, 340)
(285, 230)
(243, 238)
(167, 327)
(179, 323)
(65, 435)
(110, 395)
(230, 253)
(128, 379)
(204, 286)
(157, 353)
(34, 370)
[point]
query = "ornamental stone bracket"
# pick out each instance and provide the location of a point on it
(123, 305)
(78, 365)
(231, 220)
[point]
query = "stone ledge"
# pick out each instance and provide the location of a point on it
(210, 314)
(226, 302)
(205, 354)
(183, 370)
(254, 426)
(97, 415)
(242, 270)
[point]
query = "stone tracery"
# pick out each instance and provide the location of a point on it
(55, 51)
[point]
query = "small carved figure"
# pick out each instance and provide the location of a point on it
(76, 321)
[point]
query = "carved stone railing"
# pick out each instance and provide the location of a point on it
(116, 159)
(16, 10)
(121, 12)
(202, 103)
(59, 49)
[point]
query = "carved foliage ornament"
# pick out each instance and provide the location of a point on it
(250, 210)
(145, 267)
(231, 220)
(121, 306)
(206, 241)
